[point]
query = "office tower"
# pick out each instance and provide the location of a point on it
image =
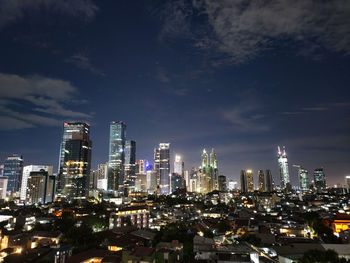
(130, 165)
(117, 135)
(156, 165)
(40, 187)
(102, 176)
(247, 181)
(77, 165)
(303, 178)
(164, 168)
(283, 167)
(176, 182)
(261, 181)
(93, 177)
(319, 178)
(141, 183)
(68, 129)
(26, 173)
(194, 181)
(222, 183)
(141, 166)
(208, 173)
(151, 181)
(187, 180)
(179, 166)
(13, 169)
(1, 170)
(3, 186)
(268, 181)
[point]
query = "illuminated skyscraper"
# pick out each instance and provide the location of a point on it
(130, 165)
(26, 173)
(77, 166)
(247, 181)
(179, 165)
(117, 135)
(303, 178)
(164, 168)
(157, 164)
(68, 129)
(283, 167)
(261, 181)
(208, 172)
(40, 188)
(320, 178)
(13, 169)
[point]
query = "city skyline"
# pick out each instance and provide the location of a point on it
(176, 76)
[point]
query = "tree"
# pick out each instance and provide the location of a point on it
(318, 256)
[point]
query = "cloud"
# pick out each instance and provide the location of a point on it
(244, 117)
(12, 11)
(315, 108)
(32, 101)
(83, 62)
(238, 31)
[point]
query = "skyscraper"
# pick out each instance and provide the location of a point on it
(179, 165)
(268, 181)
(77, 165)
(117, 135)
(283, 167)
(303, 178)
(208, 172)
(261, 181)
(164, 168)
(68, 129)
(26, 173)
(13, 169)
(222, 183)
(247, 181)
(130, 165)
(102, 176)
(40, 187)
(3, 186)
(320, 178)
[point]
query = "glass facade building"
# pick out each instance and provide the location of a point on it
(320, 178)
(68, 129)
(77, 166)
(116, 161)
(304, 179)
(283, 167)
(13, 169)
(130, 165)
(164, 168)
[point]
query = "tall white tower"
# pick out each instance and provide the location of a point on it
(283, 165)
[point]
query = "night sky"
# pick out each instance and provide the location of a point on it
(239, 76)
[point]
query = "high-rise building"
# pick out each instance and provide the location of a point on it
(320, 178)
(117, 137)
(176, 182)
(164, 168)
(130, 166)
(13, 169)
(26, 173)
(179, 166)
(102, 176)
(304, 179)
(268, 181)
(283, 167)
(68, 129)
(247, 181)
(156, 165)
(3, 186)
(208, 172)
(40, 187)
(93, 178)
(151, 181)
(1, 170)
(77, 165)
(261, 181)
(222, 183)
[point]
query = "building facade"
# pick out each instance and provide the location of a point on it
(116, 161)
(320, 179)
(13, 170)
(283, 167)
